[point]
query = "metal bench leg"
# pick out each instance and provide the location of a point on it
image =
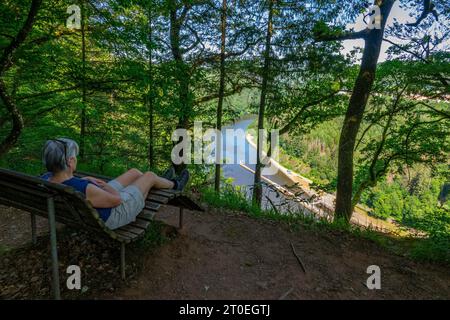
(55, 271)
(180, 224)
(33, 228)
(122, 260)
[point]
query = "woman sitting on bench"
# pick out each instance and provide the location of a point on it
(119, 201)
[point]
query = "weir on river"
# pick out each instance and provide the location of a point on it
(284, 191)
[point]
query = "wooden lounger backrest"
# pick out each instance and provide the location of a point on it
(30, 193)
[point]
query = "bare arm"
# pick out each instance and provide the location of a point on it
(102, 185)
(109, 189)
(100, 198)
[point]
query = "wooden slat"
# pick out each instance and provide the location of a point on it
(35, 195)
(152, 206)
(140, 223)
(157, 199)
(35, 190)
(131, 229)
(162, 193)
(37, 205)
(146, 215)
(30, 181)
(174, 192)
(25, 198)
(88, 214)
(31, 201)
(43, 213)
(125, 233)
(13, 203)
(122, 238)
(125, 236)
(62, 209)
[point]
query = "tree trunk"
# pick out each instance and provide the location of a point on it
(257, 188)
(17, 120)
(185, 108)
(83, 119)
(182, 75)
(221, 95)
(6, 61)
(151, 155)
(355, 112)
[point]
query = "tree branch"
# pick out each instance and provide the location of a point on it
(5, 60)
(5, 63)
(428, 7)
(213, 96)
(406, 50)
(442, 113)
(287, 127)
(344, 36)
(6, 36)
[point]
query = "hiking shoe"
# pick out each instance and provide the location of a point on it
(182, 180)
(169, 174)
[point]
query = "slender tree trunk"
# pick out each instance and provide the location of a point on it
(185, 107)
(17, 120)
(83, 119)
(151, 155)
(355, 112)
(6, 62)
(182, 75)
(257, 188)
(223, 28)
(374, 173)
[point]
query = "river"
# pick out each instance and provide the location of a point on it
(245, 153)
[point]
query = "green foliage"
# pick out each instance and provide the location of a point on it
(407, 200)
(435, 247)
(314, 154)
(3, 249)
(231, 198)
(153, 237)
(387, 200)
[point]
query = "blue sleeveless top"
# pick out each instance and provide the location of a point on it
(81, 185)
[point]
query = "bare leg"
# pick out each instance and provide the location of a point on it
(150, 180)
(129, 177)
(162, 183)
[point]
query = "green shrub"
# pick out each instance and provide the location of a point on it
(153, 236)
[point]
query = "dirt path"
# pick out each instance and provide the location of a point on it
(217, 255)
(15, 227)
(223, 256)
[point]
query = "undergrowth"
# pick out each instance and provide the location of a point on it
(434, 248)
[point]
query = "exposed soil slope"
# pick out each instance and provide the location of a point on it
(219, 255)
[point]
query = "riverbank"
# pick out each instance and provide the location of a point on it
(321, 203)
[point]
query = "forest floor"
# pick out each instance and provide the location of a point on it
(217, 255)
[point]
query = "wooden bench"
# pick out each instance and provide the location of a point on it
(63, 204)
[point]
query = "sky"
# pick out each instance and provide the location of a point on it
(400, 14)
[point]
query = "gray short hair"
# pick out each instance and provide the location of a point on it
(57, 152)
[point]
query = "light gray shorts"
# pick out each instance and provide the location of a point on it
(132, 204)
